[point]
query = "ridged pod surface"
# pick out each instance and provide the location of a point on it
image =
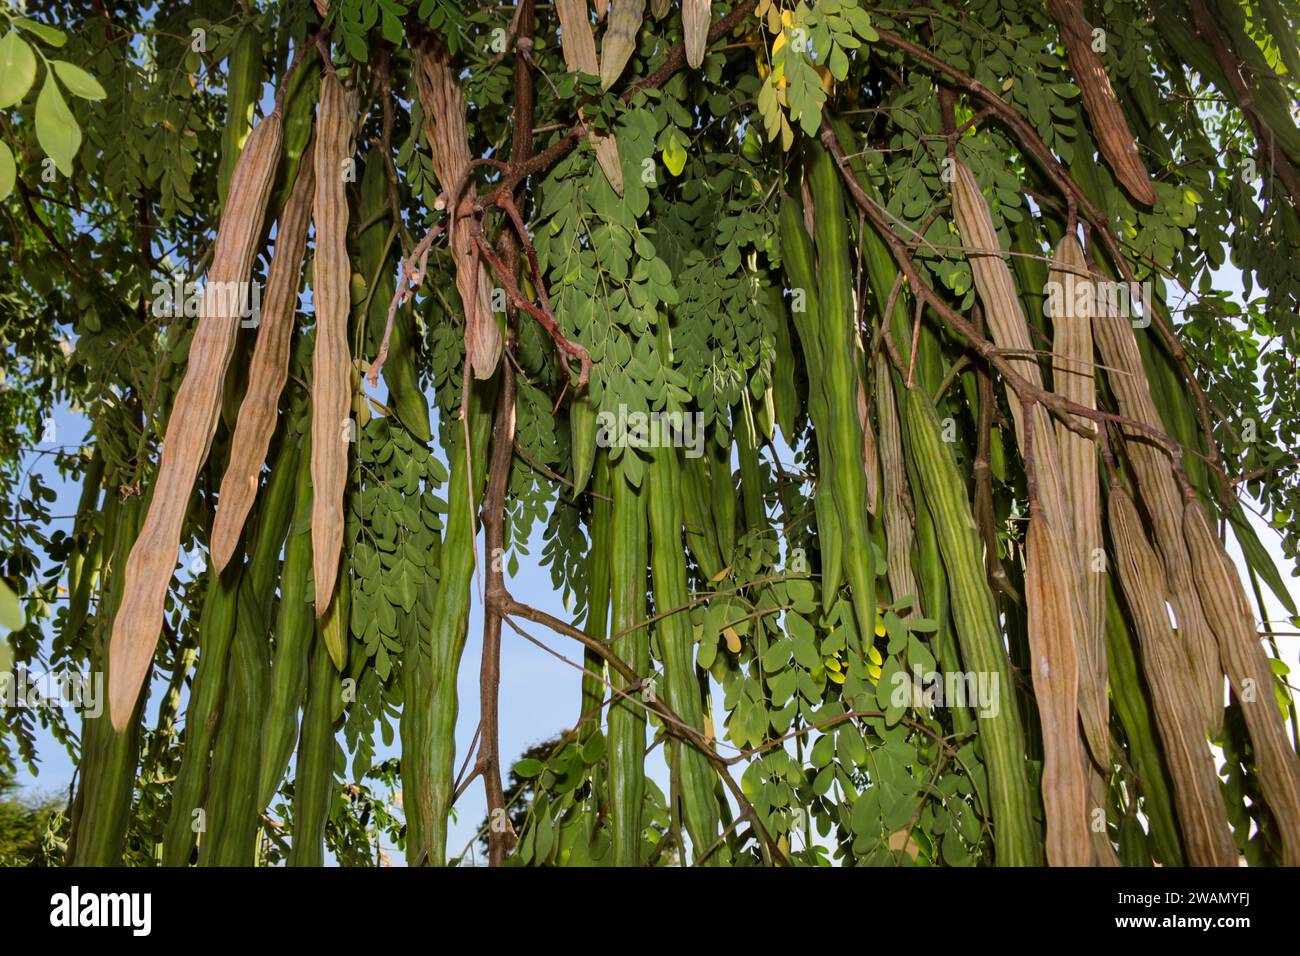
(677, 642)
(1128, 381)
(1072, 301)
(842, 383)
(627, 719)
(331, 426)
(1055, 676)
(294, 628)
(1017, 841)
(1250, 674)
(1109, 125)
(899, 537)
(443, 104)
(193, 420)
(431, 702)
(1173, 686)
(1010, 330)
(268, 371)
(243, 90)
(1133, 707)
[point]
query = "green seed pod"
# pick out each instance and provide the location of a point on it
(701, 532)
(429, 711)
(216, 630)
(841, 381)
(108, 758)
(582, 439)
(1018, 841)
(376, 264)
(676, 639)
(243, 91)
(294, 629)
(313, 786)
(627, 720)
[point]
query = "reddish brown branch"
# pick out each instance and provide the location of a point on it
(501, 836)
(500, 839)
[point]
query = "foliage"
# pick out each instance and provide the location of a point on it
(661, 236)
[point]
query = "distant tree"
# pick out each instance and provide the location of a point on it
(26, 823)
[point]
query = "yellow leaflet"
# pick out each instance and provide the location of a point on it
(733, 639)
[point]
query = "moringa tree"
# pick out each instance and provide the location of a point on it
(889, 388)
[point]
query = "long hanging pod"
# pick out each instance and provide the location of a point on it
(1251, 675)
(629, 640)
(429, 710)
(268, 371)
(108, 758)
(331, 428)
(233, 811)
(1126, 376)
(839, 355)
(1110, 128)
(216, 629)
(1072, 301)
(1016, 838)
(192, 424)
(314, 781)
(1010, 330)
(294, 628)
(1172, 683)
(598, 596)
(1136, 715)
(676, 640)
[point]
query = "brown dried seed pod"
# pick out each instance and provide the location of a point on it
(893, 484)
(576, 39)
(1010, 330)
(269, 367)
(1250, 674)
(443, 105)
(1127, 377)
(579, 47)
(331, 387)
(193, 420)
(1174, 690)
(1109, 125)
(1056, 689)
(1073, 300)
(619, 42)
(695, 28)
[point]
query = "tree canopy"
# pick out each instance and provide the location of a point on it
(888, 387)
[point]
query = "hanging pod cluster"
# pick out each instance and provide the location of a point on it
(824, 319)
(1061, 620)
(149, 568)
(803, 595)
